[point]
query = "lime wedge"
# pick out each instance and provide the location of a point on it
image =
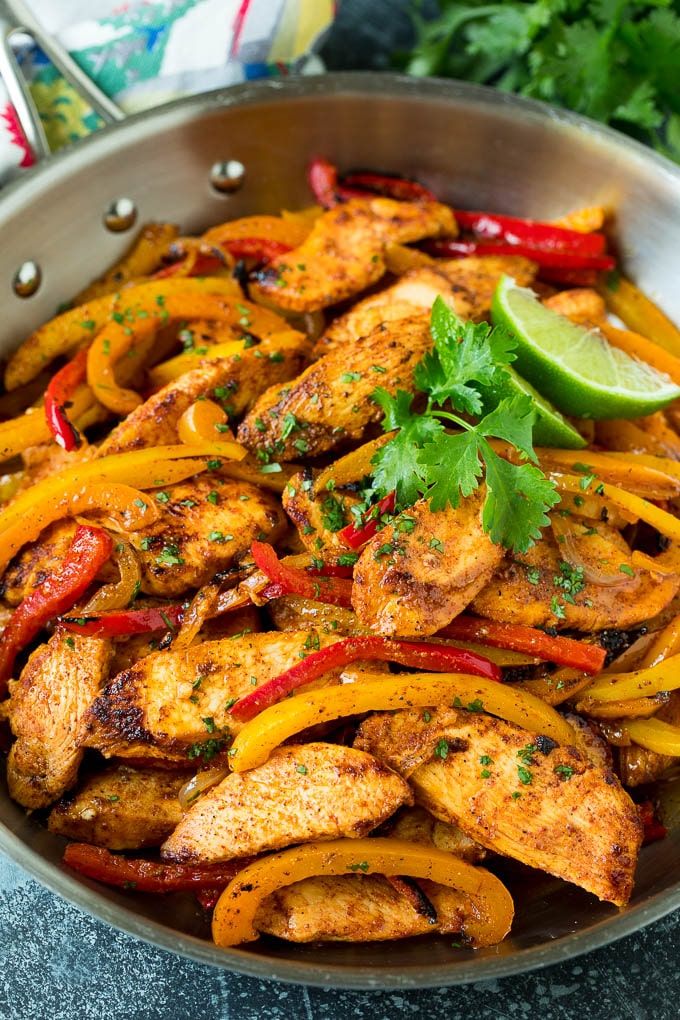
(550, 427)
(576, 368)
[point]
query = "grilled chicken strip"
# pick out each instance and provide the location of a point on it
(304, 792)
(329, 402)
(175, 705)
(358, 908)
(416, 825)
(121, 808)
(413, 582)
(37, 561)
(318, 517)
(344, 253)
(415, 291)
(532, 590)
(235, 382)
(516, 794)
(478, 275)
(205, 525)
(58, 685)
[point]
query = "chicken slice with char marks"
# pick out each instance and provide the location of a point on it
(516, 794)
(159, 706)
(412, 583)
(37, 561)
(48, 703)
(478, 276)
(358, 908)
(416, 290)
(329, 403)
(206, 525)
(344, 252)
(531, 591)
(302, 793)
(236, 382)
(319, 517)
(121, 808)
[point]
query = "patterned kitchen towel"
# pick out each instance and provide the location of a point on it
(146, 52)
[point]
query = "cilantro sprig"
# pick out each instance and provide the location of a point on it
(424, 459)
(613, 60)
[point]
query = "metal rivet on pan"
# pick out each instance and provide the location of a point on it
(227, 177)
(121, 215)
(27, 279)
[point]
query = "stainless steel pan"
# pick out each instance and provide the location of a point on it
(472, 146)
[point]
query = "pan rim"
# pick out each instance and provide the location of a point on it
(85, 895)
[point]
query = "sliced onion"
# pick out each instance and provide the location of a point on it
(199, 784)
(203, 606)
(567, 541)
(119, 594)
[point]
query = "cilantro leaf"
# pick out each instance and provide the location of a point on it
(452, 467)
(397, 409)
(464, 353)
(396, 464)
(518, 497)
(512, 420)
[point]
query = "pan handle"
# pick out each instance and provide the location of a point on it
(15, 17)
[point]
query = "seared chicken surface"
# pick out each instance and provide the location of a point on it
(304, 792)
(543, 805)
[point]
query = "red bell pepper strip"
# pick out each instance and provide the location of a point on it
(390, 186)
(652, 828)
(439, 658)
(514, 230)
(59, 392)
(148, 876)
(550, 259)
(330, 570)
(569, 277)
(355, 537)
(126, 621)
(323, 180)
(260, 248)
(561, 650)
(89, 550)
(286, 580)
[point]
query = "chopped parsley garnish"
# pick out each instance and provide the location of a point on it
(625, 568)
(206, 750)
(332, 514)
(347, 559)
(525, 776)
(564, 771)
(361, 866)
(169, 556)
(213, 497)
(570, 581)
(423, 459)
(302, 769)
(442, 749)
(163, 497)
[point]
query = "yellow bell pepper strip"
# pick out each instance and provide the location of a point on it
(352, 467)
(628, 502)
(66, 492)
(118, 594)
(203, 422)
(384, 693)
(654, 735)
(564, 651)
(634, 708)
(658, 480)
(141, 320)
(171, 369)
(562, 685)
(584, 220)
(145, 255)
(640, 314)
(78, 326)
(89, 550)
(250, 470)
(665, 644)
(419, 655)
(487, 922)
(665, 676)
(31, 428)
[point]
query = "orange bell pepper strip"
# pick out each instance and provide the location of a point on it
(491, 907)
(70, 491)
(656, 477)
(584, 220)
(203, 422)
(638, 346)
(89, 550)
(640, 314)
(148, 876)
(77, 326)
(419, 655)
(385, 692)
(561, 650)
(127, 330)
(31, 428)
(290, 231)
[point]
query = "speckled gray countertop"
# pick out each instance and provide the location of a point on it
(57, 963)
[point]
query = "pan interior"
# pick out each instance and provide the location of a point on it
(477, 149)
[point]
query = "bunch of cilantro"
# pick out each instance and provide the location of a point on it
(617, 61)
(427, 459)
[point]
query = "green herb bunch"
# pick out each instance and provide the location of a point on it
(617, 61)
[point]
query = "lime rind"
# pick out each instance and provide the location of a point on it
(577, 369)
